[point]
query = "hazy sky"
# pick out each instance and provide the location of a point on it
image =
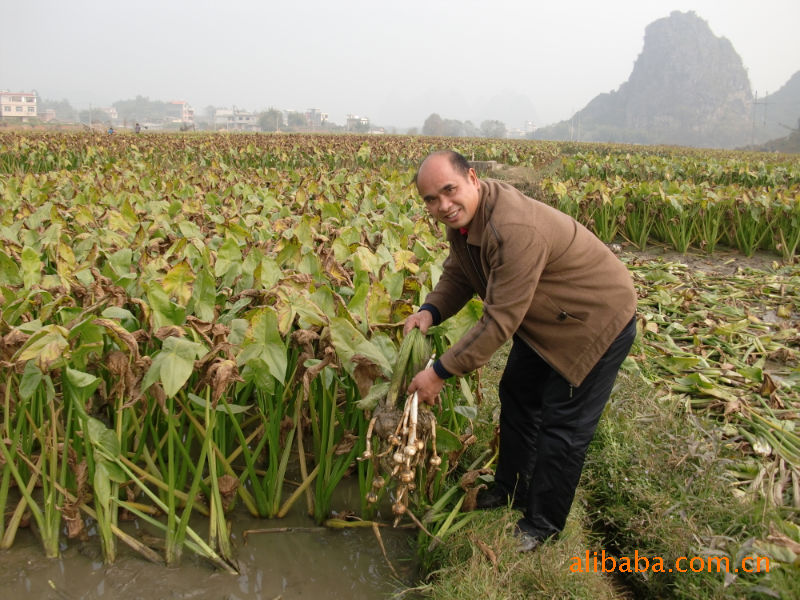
(392, 62)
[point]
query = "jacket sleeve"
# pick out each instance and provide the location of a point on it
(516, 262)
(452, 291)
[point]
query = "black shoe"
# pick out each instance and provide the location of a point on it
(526, 542)
(496, 497)
(493, 497)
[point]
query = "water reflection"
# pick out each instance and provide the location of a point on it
(305, 564)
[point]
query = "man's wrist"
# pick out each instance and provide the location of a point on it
(437, 316)
(440, 371)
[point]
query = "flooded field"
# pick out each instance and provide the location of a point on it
(304, 562)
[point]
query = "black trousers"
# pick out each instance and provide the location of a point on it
(546, 426)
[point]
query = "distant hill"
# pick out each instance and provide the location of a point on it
(777, 113)
(789, 144)
(688, 87)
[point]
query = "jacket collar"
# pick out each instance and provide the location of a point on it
(480, 218)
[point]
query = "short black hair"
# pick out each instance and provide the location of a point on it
(458, 162)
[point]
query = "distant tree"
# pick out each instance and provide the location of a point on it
(63, 109)
(271, 120)
(493, 129)
(433, 125)
(470, 130)
(94, 117)
(297, 120)
(454, 128)
(412, 131)
(141, 109)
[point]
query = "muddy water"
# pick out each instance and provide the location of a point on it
(310, 563)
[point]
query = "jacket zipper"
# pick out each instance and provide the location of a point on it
(478, 271)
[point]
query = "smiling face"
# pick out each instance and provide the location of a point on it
(450, 196)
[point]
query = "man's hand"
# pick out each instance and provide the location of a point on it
(427, 384)
(422, 320)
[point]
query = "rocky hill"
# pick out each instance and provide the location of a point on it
(777, 114)
(688, 87)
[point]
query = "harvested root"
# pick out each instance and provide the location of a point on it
(403, 442)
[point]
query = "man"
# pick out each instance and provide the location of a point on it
(569, 305)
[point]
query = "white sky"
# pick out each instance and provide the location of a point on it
(393, 62)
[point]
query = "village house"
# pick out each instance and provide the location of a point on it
(18, 105)
(235, 120)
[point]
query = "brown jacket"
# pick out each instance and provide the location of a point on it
(541, 275)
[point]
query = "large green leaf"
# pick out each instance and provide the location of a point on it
(177, 358)
(204, 296)
(165, 312)
(47, 346)
(9, 271)
(348, 341)
(263, 346)
(31, 267)
(178, 282)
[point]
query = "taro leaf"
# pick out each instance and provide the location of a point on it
(238, 331)
(468, 412)
(178, 282)
(379, 305)
(341, 251)
(229, 260)
(269, 273)
(263, 347)
(204, 296)
(466, 392)
(31, 378)
(393, 282)
(731, 328)
(364, 261)
(120, 262)
(358, 305)
(308, 313)
(348, 341)
(679, 364)
(324, 300)
(176, 362)
(405, 259)
(457, 325)
(697, 384)
(365, 373)
(120, 314)
(165, 312)
(190, 230)
(82, 382)
(101, 484)
(9, 271)
(103, 438)
(31, 267)
(46, 346)
(376, 393)
(436, 272)
(446, 440)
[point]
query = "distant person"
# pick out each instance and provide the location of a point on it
(137, 128)
(110, 130)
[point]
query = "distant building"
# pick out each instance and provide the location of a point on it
(315, 117)
(235, 120)
(18, 105)
(179, 111)
(110, 113)
(356, 123)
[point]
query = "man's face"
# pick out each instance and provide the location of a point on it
(449, 196)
